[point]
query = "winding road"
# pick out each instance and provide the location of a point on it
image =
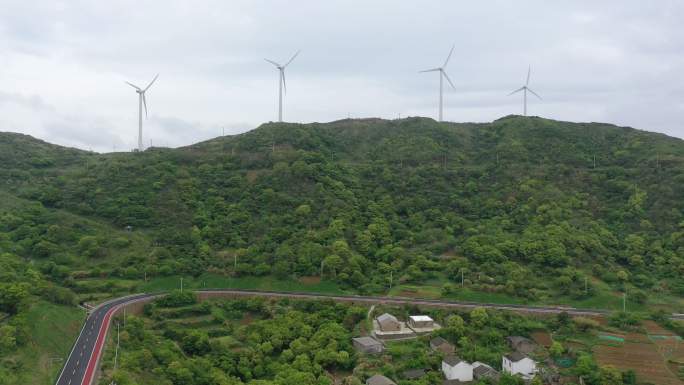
(81, 366)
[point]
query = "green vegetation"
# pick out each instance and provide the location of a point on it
(44, 344)
(215, 281)
(282, 342)
(520, 210)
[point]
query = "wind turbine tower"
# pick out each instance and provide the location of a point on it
(281, 83)
(142, 102)
(525, 89)
(442, 75)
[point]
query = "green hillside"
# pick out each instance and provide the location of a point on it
(520, 210)
(526, 207)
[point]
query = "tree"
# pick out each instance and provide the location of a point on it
(629, 377)
(556, 349)
(12, 295)
(8, 339)
(479, 317)
(610, 376)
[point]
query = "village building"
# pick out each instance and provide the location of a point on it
(483, 371)
(388, 327)
(519, 363)
(367, 345)
(455, 368)
(441, 345)
(521, 344)
(457, 382)
(422, 324)
(388, 323)
(420, 321)
(379, 379)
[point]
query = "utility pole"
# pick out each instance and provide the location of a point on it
(181, 284)
(390, 280)
(462, 279)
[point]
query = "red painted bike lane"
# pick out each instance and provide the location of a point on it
(97, 349)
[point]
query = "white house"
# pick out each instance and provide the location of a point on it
(455, 368)
(420, 321)
(518, 363)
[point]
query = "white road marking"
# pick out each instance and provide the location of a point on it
(78, 362)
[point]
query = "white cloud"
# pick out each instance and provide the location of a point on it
(64, 62)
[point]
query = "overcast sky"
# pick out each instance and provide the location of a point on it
(63, 64)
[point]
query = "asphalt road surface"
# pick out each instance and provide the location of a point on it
(80, 367)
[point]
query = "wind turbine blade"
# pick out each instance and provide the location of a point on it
(292, 58)
(516, 91)
(272, 62)
(144, 103)
(535, 94)
(449, 80)
(529, 70)
(282, 76)
(133, 85)
(152, 82)
(449, 57)
(431, 70)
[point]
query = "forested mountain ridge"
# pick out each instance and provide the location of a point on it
(528, 207)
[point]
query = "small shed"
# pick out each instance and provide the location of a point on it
(421, 321)
(482, 370)
(379, 379)
(367, 345)
(441, 345)
(389, 323)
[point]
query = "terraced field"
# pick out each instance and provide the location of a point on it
(650, 355)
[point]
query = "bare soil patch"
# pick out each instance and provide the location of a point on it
(643, 358)
(654, 329)
(310, 280)
(542, 337)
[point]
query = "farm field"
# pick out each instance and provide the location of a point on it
(648, 355)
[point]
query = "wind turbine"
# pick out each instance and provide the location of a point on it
(141, 102)
(442, 75)
(282, 86)
(525, 88)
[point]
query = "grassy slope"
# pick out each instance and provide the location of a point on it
(53, 331)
